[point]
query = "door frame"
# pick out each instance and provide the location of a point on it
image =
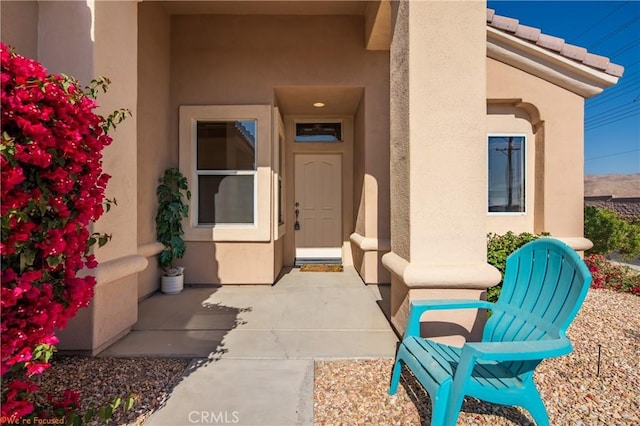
(345, 149)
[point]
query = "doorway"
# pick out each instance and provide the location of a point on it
(318, 203)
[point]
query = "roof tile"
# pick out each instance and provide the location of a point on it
(504, 23)
(550, 42)
(615, 70)
(596, 61)
(528, 33)
(574, 52)
(556, 44)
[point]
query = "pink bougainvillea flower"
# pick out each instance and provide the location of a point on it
(52, 186)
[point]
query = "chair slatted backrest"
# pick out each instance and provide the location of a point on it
(545, 284)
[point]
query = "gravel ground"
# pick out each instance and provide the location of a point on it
(354, 392)
(101, 380)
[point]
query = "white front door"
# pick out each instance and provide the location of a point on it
(318, 197)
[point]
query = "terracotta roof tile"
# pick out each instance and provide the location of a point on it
(555, 44)
(574, 52)
(596, 61)
(550, 42)
(504, 23)
(615, 69)
(528, 33)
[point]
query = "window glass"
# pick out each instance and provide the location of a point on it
(506, 174)
(226, 164)
(225, 199)
(226, 145)
(318, 132)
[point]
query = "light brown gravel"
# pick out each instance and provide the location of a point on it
(101, 380)
(355, 392)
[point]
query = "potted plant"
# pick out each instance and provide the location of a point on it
(173, 194)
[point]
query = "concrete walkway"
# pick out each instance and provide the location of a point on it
(256, 345)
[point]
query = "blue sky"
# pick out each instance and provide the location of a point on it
(608, 28)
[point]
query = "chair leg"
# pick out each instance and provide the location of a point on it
(533, 403)
(395, 377)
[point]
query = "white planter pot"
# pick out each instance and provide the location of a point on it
(172, 285)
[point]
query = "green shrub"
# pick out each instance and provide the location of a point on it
(609, 233)
(499, 247)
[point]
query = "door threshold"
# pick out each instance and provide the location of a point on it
(317, 261)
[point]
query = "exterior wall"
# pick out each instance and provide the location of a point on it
(65, 33)
(230, 263)
(508, 119)
(19, 26)
(626, 207)
(156, 147)
(399, 159)
(557, 119)
(438, 158)
(371, 239)
(239, 60)
(85, 40)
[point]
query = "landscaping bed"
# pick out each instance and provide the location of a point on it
(354, 392)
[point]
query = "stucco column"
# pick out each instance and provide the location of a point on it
(438, 160)
(87, 39)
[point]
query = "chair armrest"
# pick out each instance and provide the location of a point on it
(419, 307)
(518, 351)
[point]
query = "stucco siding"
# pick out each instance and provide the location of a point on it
(156, 149)
(558, 132)
(399, 131)
(240, 60)
(19, 26)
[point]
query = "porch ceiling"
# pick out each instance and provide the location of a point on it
(265, 7)
(300, 100)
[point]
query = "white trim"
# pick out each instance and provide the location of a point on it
(319, 252)
(564, 72)
(525, 171)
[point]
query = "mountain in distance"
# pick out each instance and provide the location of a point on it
(617, 185)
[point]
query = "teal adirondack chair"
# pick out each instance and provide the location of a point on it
(545, 284)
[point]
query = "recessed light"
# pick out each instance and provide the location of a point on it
(318, 105)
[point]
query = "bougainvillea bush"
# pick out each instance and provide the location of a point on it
(612, 276)
(52, 188)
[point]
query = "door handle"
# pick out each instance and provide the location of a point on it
(296, 226)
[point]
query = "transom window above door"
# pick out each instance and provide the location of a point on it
(318, 132)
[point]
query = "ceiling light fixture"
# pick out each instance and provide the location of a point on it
(318, 105)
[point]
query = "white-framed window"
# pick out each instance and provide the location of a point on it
(506, 155)
(226, 172)
(225, 150)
